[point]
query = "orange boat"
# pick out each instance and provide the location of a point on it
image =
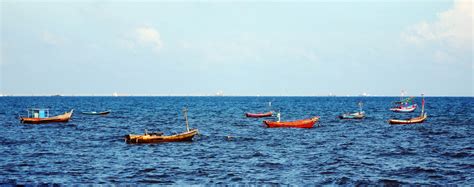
(305, 123)
(42, 116)
(159, 137)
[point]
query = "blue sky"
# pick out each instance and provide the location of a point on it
(239, 48)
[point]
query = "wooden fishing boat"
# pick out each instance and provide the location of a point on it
(305, 123)
(258, 115)
(423, 116)
(419, 119)
(97, 113)
(42, 116)
(159, 137)
(356, 115)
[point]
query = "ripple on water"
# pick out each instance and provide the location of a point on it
(457, 154)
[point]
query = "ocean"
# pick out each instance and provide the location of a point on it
(233, 149)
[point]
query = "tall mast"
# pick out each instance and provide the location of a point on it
(185, 111)
(402, 94)
(422, 104)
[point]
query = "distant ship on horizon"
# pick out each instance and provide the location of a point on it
(219, 93)
(115, 94)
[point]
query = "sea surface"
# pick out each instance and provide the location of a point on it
(233, 149)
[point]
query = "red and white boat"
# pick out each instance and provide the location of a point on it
(405, 105)
(404, 109)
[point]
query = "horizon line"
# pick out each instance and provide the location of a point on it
(209, 95)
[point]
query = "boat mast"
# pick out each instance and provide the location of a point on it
(185, 111)
(422, 104)
(402, 98)
(360, 107)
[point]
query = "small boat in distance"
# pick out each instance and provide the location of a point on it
(258, 115)
(39, 115)
(405, 105)
(305, 123)
(404, 109)
(97, 113)
(419, 119)
(355, 115)
(261, 115)
(159, 137)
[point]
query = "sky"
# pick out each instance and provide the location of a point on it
(310, 48)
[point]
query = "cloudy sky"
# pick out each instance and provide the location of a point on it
(239, 48)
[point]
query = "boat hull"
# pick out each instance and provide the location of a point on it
(262, 115)
(352, 116)
(306, 123)
(182, 137)
(96, 113)
(420, 119)
(56, 119)
(404, 109)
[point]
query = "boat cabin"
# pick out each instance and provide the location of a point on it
(38, 113)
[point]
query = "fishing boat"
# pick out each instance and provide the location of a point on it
(404, 109)
(259, 115)
(356, 115)
(405, 105)
(39, 115)
(419, 119)
(97, 113)
(305, 123)
(159, 137)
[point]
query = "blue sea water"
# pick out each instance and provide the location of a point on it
(232, 149)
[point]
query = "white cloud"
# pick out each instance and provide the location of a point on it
(453, 28)
(149, 36)
(51, 38)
